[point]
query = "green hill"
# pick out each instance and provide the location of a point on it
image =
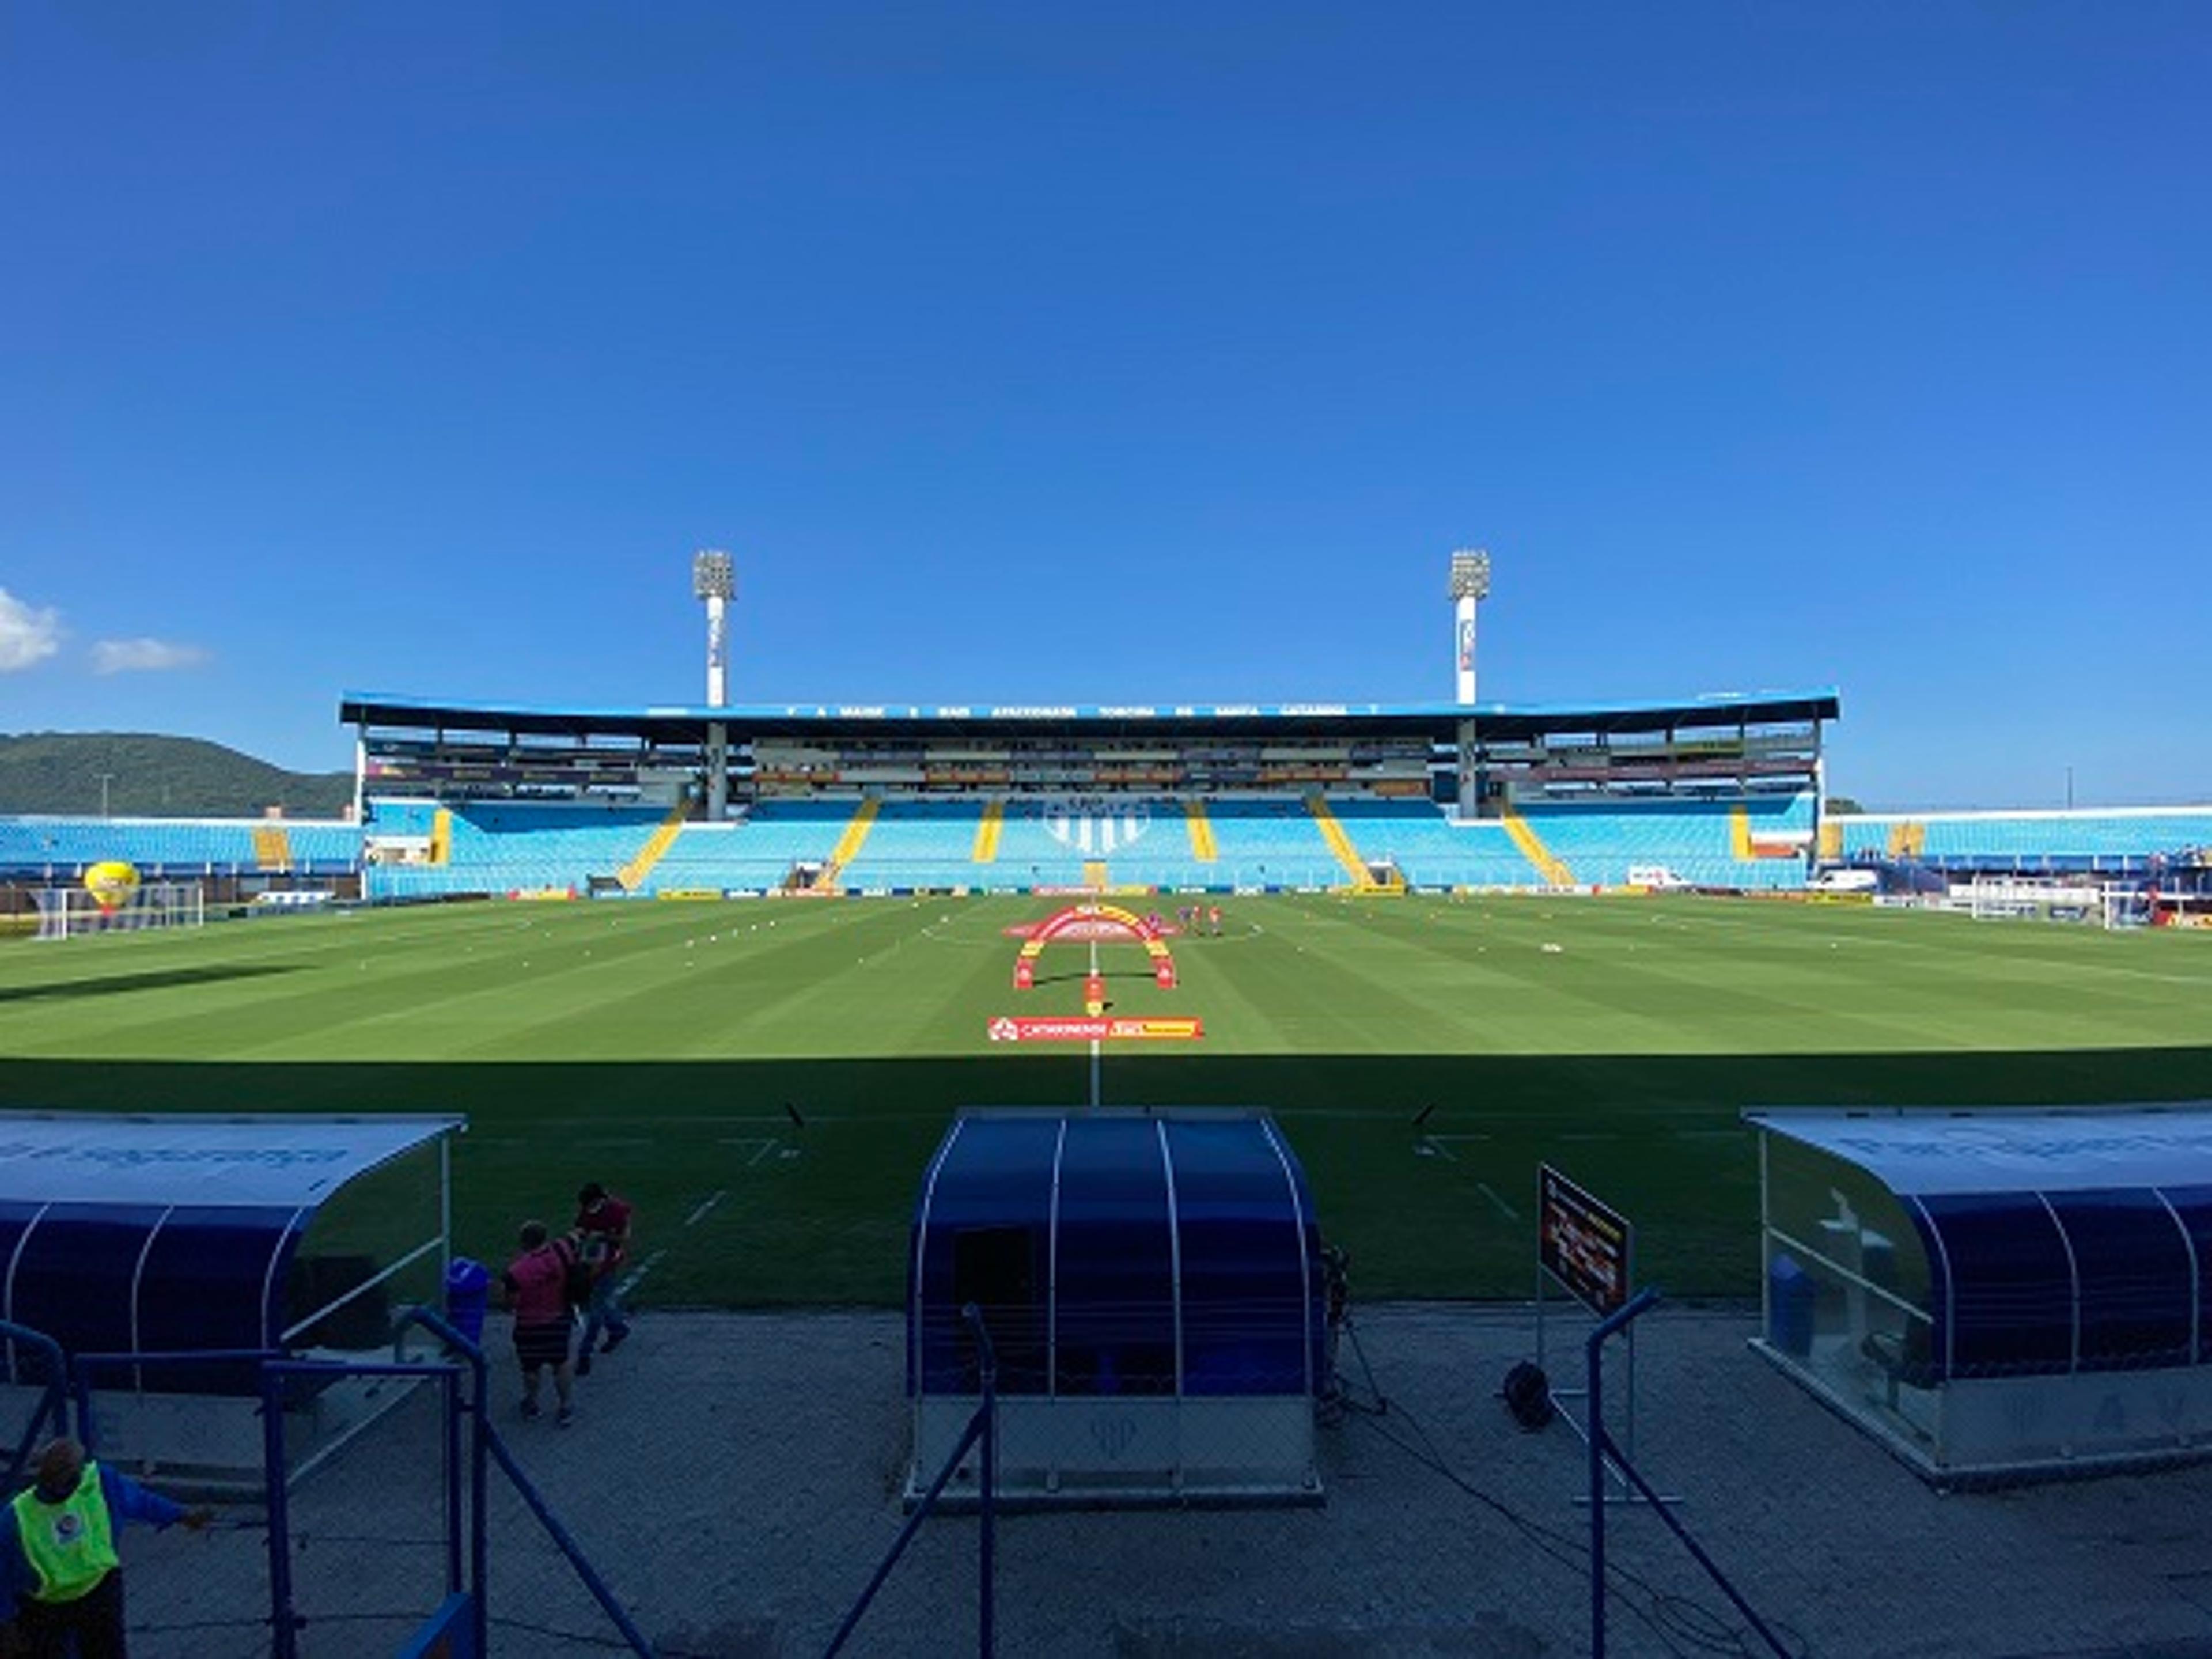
(150, 776)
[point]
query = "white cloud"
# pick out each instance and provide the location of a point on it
(142, 656)
(28, 635)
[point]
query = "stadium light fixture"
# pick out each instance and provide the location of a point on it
(712, 576)
(715, 581)
(1470, 574)
(1470, 585)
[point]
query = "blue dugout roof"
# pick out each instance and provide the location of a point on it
(2056, 1240)
(177, 1232)
(1928, 1152)
(1120, 1251)
(687, 721)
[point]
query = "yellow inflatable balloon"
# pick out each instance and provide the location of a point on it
(112, 883)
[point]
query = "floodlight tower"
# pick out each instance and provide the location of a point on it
(1470, 585)
(715, 581)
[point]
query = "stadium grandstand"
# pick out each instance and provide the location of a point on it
(1717, 793)
(2115, 843)
(171, 848)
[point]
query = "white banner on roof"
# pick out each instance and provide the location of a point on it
(257, 1162)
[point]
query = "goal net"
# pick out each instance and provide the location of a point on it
(72, 913)
(1996, 899)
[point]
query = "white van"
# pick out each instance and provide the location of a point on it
(1846, 881)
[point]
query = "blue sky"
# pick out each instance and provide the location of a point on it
(1122, 354)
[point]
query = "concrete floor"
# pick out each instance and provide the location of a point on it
(735, 1478)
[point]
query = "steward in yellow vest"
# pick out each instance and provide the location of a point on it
(59, 1552)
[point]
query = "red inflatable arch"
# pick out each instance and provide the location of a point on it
(1086, 922)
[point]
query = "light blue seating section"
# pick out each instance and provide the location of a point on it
(47, 848)
(499, 847)
(401, 817)
(1261, 843)
(324, 846)
(1431, 850)
(758, 852)
(1150, 845)
(921, 843)
(2116, 842)
(1272, 842)
(1693, 840)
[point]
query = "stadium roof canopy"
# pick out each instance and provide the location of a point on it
(1440, 721)
(1995, 1291)
(174, 1231)
(1932, 1152)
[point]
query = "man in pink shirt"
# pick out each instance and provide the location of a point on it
(537, 1283)
(603, 1226)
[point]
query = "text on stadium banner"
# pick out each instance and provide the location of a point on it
(1007, 1029)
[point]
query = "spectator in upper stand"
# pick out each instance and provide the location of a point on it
(57, 1556)
(603, 1223)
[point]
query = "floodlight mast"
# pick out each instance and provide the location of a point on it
(714, 579)
(1470, 585)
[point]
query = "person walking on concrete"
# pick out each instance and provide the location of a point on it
(537, 1283)
(59, 1553)
(603, 1223)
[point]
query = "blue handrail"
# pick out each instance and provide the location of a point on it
(283, 1621)
(86, 1365)
(982, 1427)
(427, 1319)
(489, 1445)
(53, 1401)
(1601, 1447)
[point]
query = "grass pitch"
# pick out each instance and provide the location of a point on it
(767, 1079)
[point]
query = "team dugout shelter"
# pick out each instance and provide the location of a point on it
(1153, 1284)
(1418, 765)
(1995, 1295)
(177, 1235)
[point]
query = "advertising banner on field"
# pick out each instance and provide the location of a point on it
(1007, 1029)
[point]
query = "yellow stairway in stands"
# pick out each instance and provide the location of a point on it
(986, 850)
(1332, 831)
(849, 846)
(441, 836)
(632, 875)
(1094, 874)
(272, 847)
(1740, 835)
(1831, 839)
(1203, 847)
(1532, 847)
(1907, 840)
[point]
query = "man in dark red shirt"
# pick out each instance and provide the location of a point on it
(537, 1285)
(602, 1224)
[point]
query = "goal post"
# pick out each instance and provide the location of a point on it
(2099, 904)
(72, 912)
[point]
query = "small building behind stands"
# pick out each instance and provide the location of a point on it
(1996, 1294)
(182, 1234)
(1152, 1286)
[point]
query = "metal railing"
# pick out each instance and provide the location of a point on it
(1603, 1448)
(277, 1375)
(488, 1445)
(53, 1398)
(982, 1431)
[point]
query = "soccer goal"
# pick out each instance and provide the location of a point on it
(1992, 898)
(71, 912)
